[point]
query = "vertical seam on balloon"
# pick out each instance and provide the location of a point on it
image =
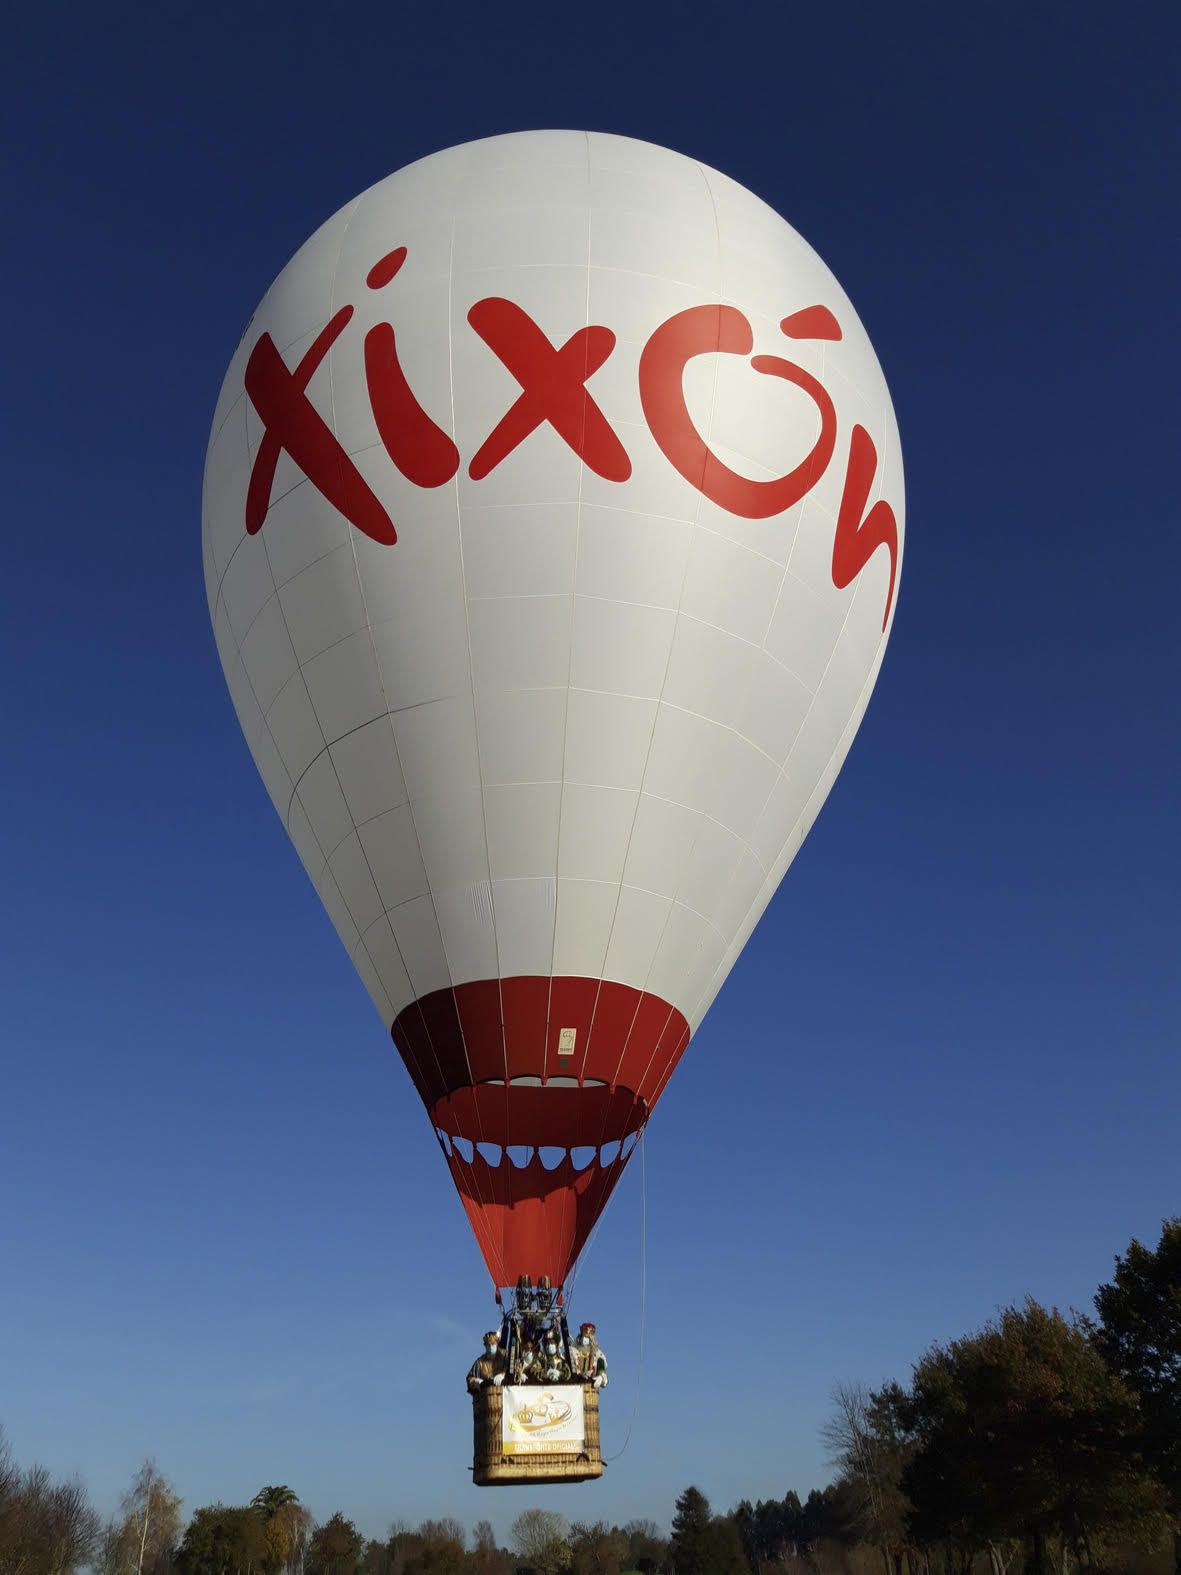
(703, 816)
(331, 744)
(219, 599)
(848, 731)
(576, 1245)
(747, 842)
(475, 727)
(324, 868)
(782, 771)
(217, 431)
(310, 564)
(668, 659)
(472, 682)
(381, 682)
(496, 1247)
(362, 933)
(419, 1072)
(610, 1175)
(219, 594)
(417, 1000)
(551, 1256)
(276, 497)
(570, 669)
(244, 401)
(597, 1218)
(285, 818)
(481, 1225)
(495, 1239)
(679, 1046)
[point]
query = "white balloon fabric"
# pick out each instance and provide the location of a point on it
(553, 519)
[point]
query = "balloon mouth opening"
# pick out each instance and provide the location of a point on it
(550, 1156)
(537, 1088)
(525, 1119)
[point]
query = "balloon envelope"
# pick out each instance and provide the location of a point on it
(553, 515)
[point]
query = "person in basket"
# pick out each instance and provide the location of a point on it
(490, 1366)
(590, 1365)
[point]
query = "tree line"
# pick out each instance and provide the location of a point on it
(1043, 1444)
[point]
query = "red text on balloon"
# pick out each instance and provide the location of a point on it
(293, 423)
(858, 538)
(705, 330)
(553, 389)
(553, 382)
(420, 448)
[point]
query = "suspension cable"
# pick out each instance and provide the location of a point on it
(608, 1459)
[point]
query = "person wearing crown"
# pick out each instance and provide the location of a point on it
(590, 1365)
(555, 1369)
(528, 1368)
(490, 1367)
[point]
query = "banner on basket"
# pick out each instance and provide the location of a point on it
(541, 1421)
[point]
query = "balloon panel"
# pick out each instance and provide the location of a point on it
(552, 524)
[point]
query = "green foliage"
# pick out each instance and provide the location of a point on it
(554, 1557)
(868, 1438)
(286, 1525)
(335, 1548)
(1042, 1445)
(722, 1548)
(1022, 1431)
(223, 1540)
(597, 1549)
(704, 1543)
(647, 1550)
(1139, 1335)
(440, 1549)
(269, 1500)
(687, 1551)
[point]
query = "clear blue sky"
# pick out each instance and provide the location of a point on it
(945, 1072)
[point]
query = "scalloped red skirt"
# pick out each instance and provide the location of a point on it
(537, 1089)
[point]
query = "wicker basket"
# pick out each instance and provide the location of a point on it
(493, 1468)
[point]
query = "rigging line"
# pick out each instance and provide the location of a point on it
(619, 1164)
(607, 1459)
(594, 1231)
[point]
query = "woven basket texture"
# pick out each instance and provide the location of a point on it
(492, 1468)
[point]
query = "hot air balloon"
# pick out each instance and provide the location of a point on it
(552, 526)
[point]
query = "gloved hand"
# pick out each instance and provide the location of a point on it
(498, 1379)
(600, 1381)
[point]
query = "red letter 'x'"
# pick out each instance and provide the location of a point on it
(553, 384)
(293, 423)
